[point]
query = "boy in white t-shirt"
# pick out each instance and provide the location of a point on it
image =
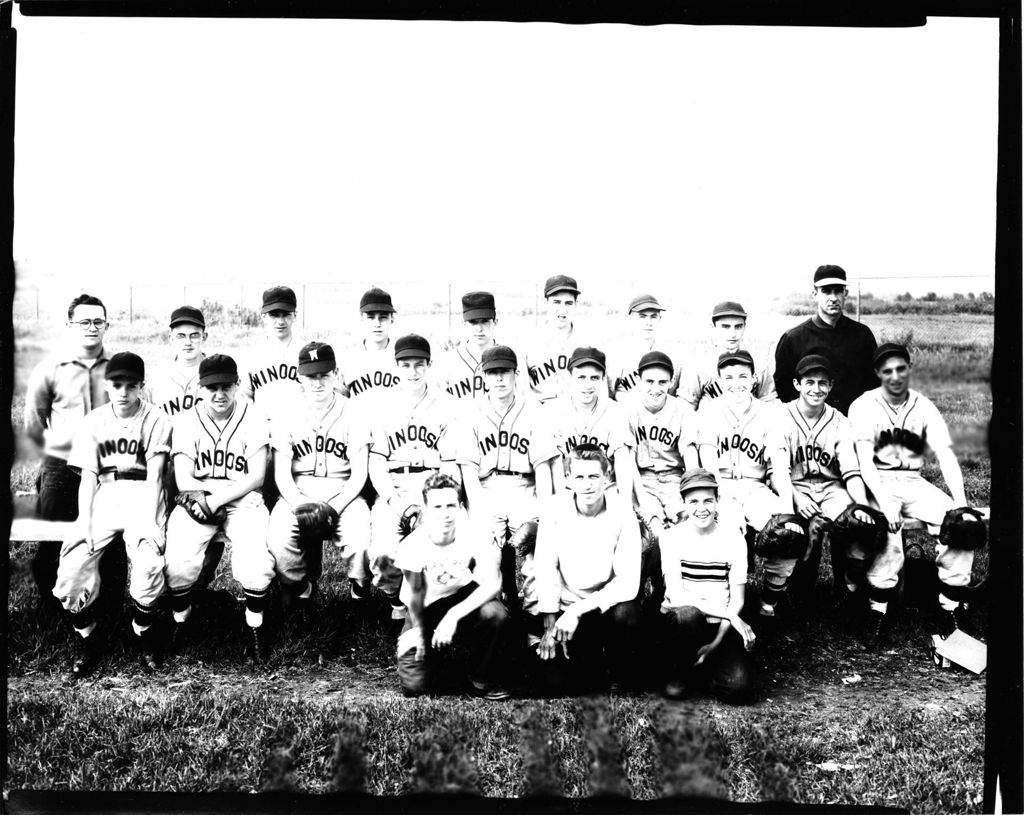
(451, 585)
(705, 566)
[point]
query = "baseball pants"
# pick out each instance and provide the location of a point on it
(119, 507)
(831, 499)
(927, 503)
(663, 486)
(744, 501)
(56, 500)
(384, 532)
(729, 666)
(511, 501)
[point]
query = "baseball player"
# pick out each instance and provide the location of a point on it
(219, 451)
(893, 427)
(320, 466)
(120, 449)
(270, 377)
(547, 359)
(587, 573)
(736, 443)
(370, 366)
(412, 436)
(451, 585)
(512, 451)
(644, 317)
(705, 570)
(729, 324)
(459, 370)
(823, 478)
(175, 387)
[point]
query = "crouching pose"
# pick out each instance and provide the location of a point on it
(219, 449)
(705, 565)
(450, 586)
(587, 578)
(121, 450)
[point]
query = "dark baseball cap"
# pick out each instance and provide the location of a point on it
(497, 358)
(478, 305)
(376, 300)
(813, 362)
(412, 346)
(696, 479)
(889, 349)
(218, 369)
(728, 308)
(655, 359)
(187, 314)
(740, 357)
(587, 356)
(316, 358)
(560, 282)
(829, 275)
(126, 365)
(645, 302)
(279, 298)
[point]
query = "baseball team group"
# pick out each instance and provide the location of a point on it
(585, 517)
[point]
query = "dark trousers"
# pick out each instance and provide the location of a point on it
(604, 648)
(728, 666)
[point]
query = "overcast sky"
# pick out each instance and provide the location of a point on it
(671, 156)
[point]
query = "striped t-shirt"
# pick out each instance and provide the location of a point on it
(700, 568)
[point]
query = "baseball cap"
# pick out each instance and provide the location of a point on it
(829, 275)
(218, 369)
(376, 300)
(728, 308)
(187, 314)
(279, 298)
(587, 356)
(696, 479)
(813, 362)
(126, 365)
(316, 358)
(499, 357)
(478, 305)
(655, 358)
(645, 302)
(412, 346)
(731, 357)
(889, 349)
(560, 282)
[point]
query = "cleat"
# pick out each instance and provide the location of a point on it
(359, 590)
(86, 656)
(178, 640)
(257, 645)
(877, 633)
(492, 693)
(148, 660)
(950, 621)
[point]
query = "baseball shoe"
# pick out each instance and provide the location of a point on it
(878, 630)
(955, 620)
(178, 639)
(148, 658)
(359, 589)
(398, 609)
(86, 656)
(850, 607)
(257, 645)
(492, 693)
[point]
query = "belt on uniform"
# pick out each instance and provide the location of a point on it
(114, 475)
(411, 469)
(510, 472)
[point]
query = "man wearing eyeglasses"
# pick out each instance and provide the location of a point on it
(62, 389)
(847, 344)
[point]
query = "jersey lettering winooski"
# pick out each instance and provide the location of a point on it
(174, 389)
(320, 445)
(547, 363)
(900, 435)
(460, 374)
(220, 452)
(366, 371)
(416, 435)
(270, 375)
(742, 442)
(515, 442)
(106, 444)
(700, 382)
(660, 436)
(606, 426)
(818, 451)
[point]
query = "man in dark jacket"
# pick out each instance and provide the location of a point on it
(847, 344)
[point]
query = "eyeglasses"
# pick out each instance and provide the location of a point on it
(84, 324)
(195, 336)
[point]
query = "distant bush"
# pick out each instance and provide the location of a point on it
(904, 303)
(216, 314)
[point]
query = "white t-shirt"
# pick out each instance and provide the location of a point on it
(699, 569)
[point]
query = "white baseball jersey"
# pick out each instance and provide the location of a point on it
(900, 435)
(547, 362)
(173, 388)
(420, 434)
(269, 374)
(458, 372)
(741, 442)
(366, 370)
(821, 450)
(320, 444)
(105, 443)
(701, 381)
(623, 376)
(220, 452)
(514, 442)
(606, 426)
(661, 437)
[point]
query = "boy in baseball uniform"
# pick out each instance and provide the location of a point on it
(705, 569)
(121, 450)
(547, 358)
(369, 367)
(729, 324)
(270, 378)
(644, 316)
(412, 435)
(320, 457)
(451, 585)
(894, 426)
(219, 451)
(587, 573)
(459, 370)
(175, 387)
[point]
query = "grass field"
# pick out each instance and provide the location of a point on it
(325, 714)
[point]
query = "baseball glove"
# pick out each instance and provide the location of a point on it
(409, 520)
(871, 534)
(315, 522)
(963, 528)
(524, 539)
(777, 539)
(194, 502)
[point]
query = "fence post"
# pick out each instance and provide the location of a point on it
(858, 301)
